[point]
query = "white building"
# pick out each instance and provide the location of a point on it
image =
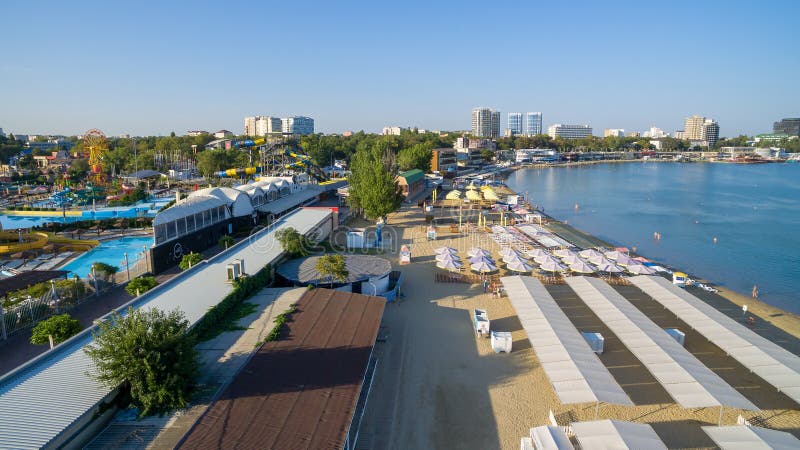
(266, 125)
(223, 134)
(194, 133)
(655, 133)
(693, 128)
(392, 131)
(485, 123)
(515, 123)
(533, 123)
(615, 132)
(297, 125)
(679, 134)
(569, 131)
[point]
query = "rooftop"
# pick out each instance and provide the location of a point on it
(360, 267)
(299, 392)
(412, 175)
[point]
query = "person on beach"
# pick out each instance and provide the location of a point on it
(485, 285)
(755, 292)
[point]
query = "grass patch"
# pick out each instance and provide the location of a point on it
(280, 321)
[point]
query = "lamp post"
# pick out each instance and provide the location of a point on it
(127, 267)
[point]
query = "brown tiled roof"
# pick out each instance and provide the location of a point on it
(299, 392)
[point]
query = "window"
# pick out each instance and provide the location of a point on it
(181, 226)
(214, 215)
(170, 230)
(160, 233)
(198, 220)
(190, 225)
(207, 217)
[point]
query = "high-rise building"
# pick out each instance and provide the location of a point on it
(250, 125)
(515, 123)
(710, 132)
(297, 125)
(569, 131)
(485, 122)
(533, 123)
(633, 134)
(787, 126)
(615, 132)
(679, 134)
(268, 125)
(654, 132)
(693, 128)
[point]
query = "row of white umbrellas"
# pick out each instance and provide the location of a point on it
(482, 261)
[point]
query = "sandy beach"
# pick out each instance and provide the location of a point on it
(440, 386)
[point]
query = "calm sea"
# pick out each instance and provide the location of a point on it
(753, 211)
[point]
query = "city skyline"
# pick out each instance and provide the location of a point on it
(173, 67)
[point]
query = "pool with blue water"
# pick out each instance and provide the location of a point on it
(110, 252)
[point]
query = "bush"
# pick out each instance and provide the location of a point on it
(225, 241)
(293, 243)
(103, 271)
(280, 321)
(61, 327)
(152, 352)
(141, 284)
(213, 320)
(190, 260)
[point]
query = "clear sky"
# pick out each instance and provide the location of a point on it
(146, 68)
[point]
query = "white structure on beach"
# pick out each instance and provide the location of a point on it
(559, 130)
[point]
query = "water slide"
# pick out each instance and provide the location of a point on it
(296, 161)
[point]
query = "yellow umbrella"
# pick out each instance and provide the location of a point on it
(489, 194)
(473, 195)
(472, 186)
(453, 195)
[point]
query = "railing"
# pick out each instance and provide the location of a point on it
(60, 298)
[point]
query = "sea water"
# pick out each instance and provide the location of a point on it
(735, 225)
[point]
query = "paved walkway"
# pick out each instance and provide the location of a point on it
(220, 360)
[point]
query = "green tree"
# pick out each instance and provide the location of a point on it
(293, 243)
(103, 271)
(140, 285)
(150, 352)
(415, 157)
(373, 187)
(225, 241)
(334, 267)
(487, 155)
(78, 168)
(190, 260)
(60, 328)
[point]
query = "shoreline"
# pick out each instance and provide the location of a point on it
(785, 320)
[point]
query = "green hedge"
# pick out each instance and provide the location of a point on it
(216, 317)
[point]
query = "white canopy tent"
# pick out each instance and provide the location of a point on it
(508, 251)
(608, 268)
(624, 260)
(776, 365)
(475, 251)
(574, 370)
(481, 258)
(545, 258)
(552, 266)
(617, 435)
(614, 254)
(513, 259)
(570, 260)
(537, 252)
(564, 252)
(684, 377)
(598, 260)
(745, 437)
(549, 437)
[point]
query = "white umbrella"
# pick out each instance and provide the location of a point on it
(640, 269)
(581, 267)
(478, 251)
(508, 251)
(563, 253)
(442, 250)
(483, 266)
(513, 259)
(574, 259)
(480, 258)
(537, 252)
(552, 266)
(590, 253)
(609, 268)
(624, 260)
(614, 255)
(447, 257)
(545, 259)
(519, 266)
(449, 265)
(599, 260)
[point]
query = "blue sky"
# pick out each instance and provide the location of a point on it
(154, 67)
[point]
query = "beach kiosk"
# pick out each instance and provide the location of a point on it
(679, 279)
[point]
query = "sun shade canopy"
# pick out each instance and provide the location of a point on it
(574, 370)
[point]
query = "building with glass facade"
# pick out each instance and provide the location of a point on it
(533, 123)
(485, 123)
(787, 126)
(515, 123)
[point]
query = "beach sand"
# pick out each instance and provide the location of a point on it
(440, 386)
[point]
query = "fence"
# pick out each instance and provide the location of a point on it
(62, 296)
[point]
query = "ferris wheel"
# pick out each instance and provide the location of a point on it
(95, 143)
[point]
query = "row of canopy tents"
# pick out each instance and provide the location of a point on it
(774, 364)
(620, 435)
(480, 260)
(576, 373)
(472, 193)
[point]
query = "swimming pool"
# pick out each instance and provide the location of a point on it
(110, 252)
